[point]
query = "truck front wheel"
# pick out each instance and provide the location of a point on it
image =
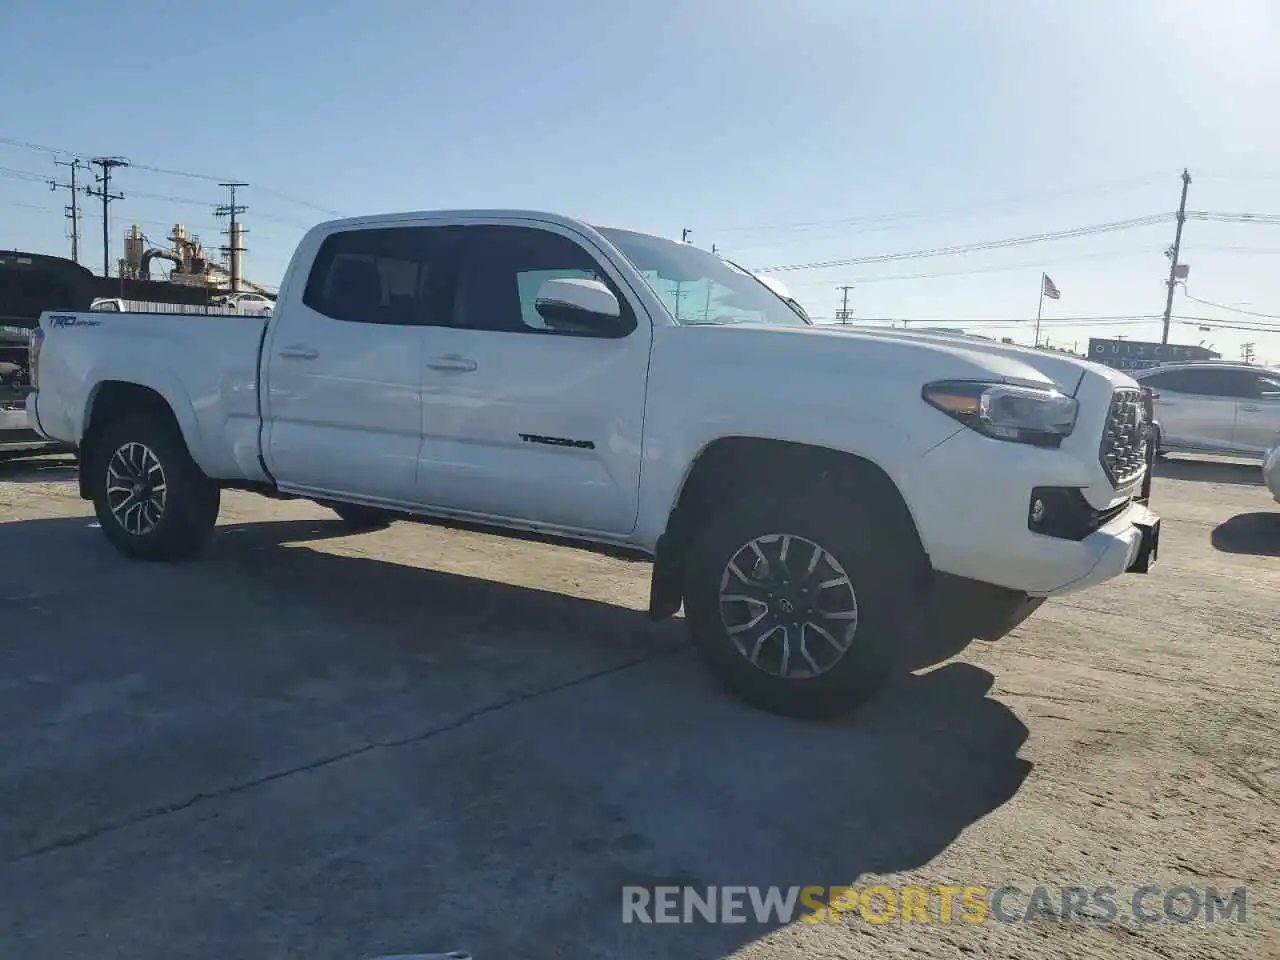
(152, 501)
(793, 603)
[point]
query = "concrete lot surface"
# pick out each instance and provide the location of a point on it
(321, 745)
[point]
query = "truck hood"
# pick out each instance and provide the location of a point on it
(969, 358)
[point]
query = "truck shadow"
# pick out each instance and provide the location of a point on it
(1209, 471)
(18, 468)
(442, 738)
(1252, 533)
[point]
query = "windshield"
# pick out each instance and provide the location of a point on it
(698, 287)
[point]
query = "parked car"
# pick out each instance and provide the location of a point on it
(801, 490)
(253, 304)
(1271, 471)
(1215, 407)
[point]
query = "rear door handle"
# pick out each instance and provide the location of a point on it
(299, 351)
(452, 363)
(1250, 408)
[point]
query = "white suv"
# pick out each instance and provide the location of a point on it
(1211, 407)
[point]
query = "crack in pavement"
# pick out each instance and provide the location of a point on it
(153, 813)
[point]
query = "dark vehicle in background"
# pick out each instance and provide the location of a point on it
(30, 283)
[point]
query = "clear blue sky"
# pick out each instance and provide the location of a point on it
(768, 128)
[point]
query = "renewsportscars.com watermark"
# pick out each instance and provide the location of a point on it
(973, 904)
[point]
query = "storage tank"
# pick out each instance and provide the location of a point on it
(133, 246)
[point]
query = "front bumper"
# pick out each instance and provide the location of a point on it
(971, 503)
(1129, 543)
(1271, 472)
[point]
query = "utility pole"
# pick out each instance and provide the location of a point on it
(1173, 255)
(72, 211)
(843, 314)
(685, 234)
(1246, 352)
(234, 249)
(106, 164)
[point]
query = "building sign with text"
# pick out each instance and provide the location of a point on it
(1140, 354)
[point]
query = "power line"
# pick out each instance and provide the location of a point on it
(1223, 306)
(55, 151)
(29, 206)
(85, 214)
(234, 249)
(169, 198)
(34, 177)
(996, 268)
(1012, 323)
(1173, 255)
(1074, 232)
(1103, 187)
(169, 171)
(1211, 248)
(1151, 319)
(1227, 325)
(22, 175)
(72, 211)
(106, 165)
(844, 314)
(289, 198)
(1220, 217)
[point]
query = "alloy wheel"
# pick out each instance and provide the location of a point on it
(137, 489)
(788, 606)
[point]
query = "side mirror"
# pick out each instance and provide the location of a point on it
(578, 306)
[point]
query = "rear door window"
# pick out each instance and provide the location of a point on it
(389, 275)
(1203, 383)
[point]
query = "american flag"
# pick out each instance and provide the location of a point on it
(1049, 290)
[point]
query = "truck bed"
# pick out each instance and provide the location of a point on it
(205, 366)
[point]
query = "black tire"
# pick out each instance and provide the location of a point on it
(851, 538)
(189, 509)
(363, 518)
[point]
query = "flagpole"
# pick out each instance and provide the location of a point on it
(1040, 309)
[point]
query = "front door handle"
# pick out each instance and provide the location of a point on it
(1250, 408)
(299, 351)
(452, 363)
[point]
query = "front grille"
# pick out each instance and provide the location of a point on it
(1124, 438)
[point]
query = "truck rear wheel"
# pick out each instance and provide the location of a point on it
(151, 499)
(793, 603)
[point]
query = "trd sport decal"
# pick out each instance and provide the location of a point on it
(558, 441)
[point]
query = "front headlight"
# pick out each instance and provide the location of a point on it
(1036, 415)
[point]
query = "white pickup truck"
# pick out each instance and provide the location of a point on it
(804, 491)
